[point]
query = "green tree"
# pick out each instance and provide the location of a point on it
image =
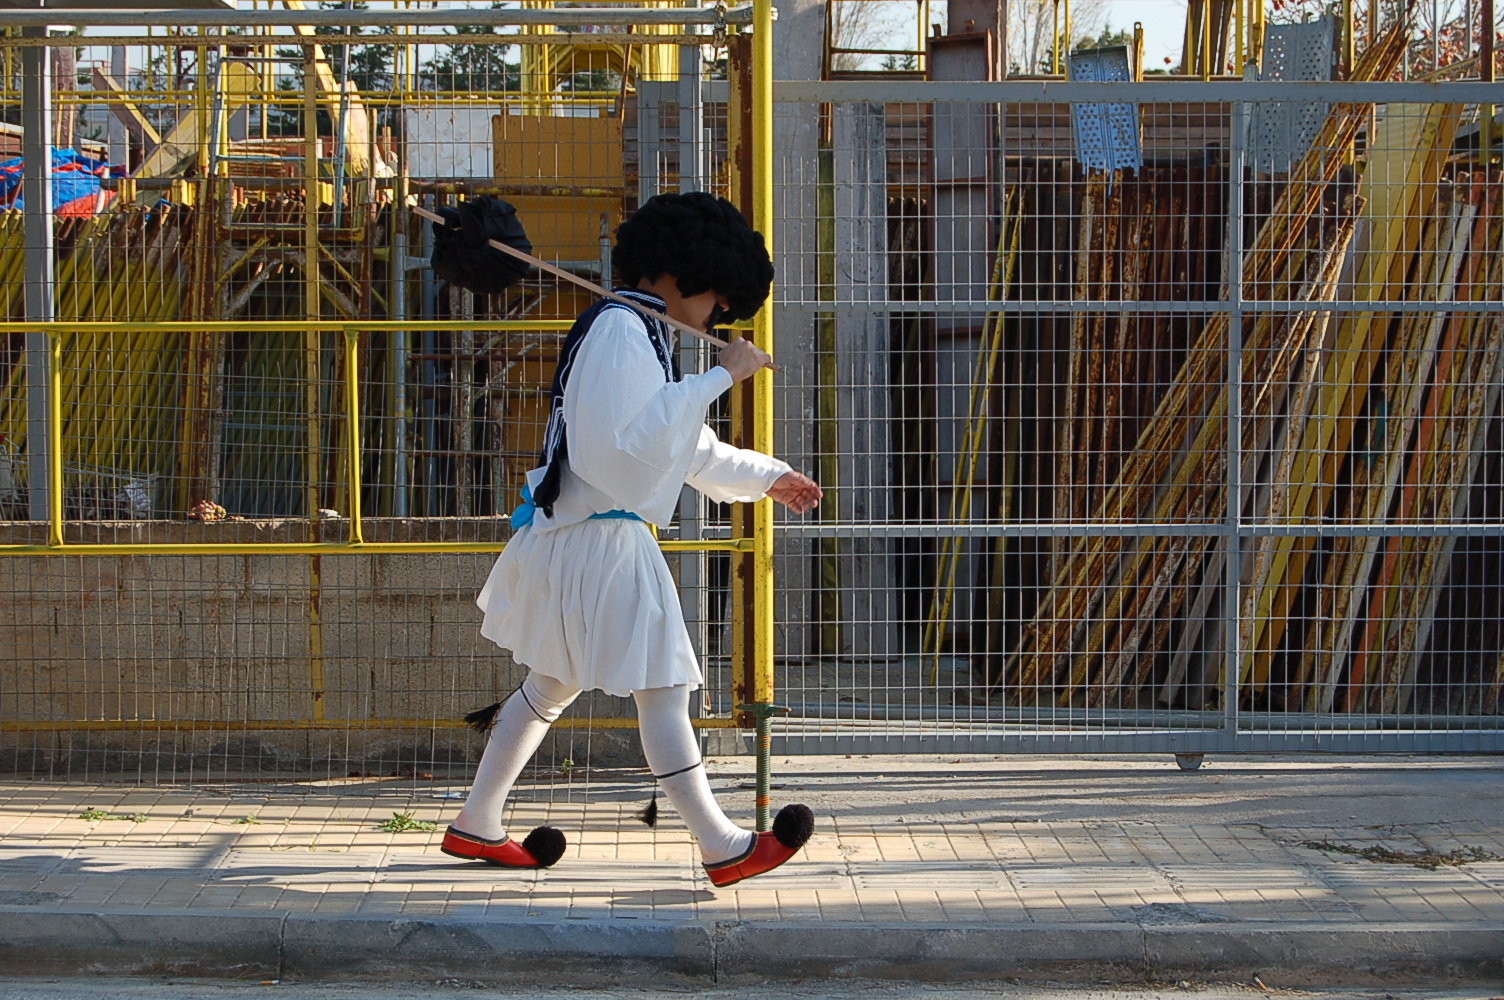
(906, 62)
(592, 81)
(474, 67)
(368, 67)
(1108, 37)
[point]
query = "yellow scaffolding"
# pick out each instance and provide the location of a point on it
(180, 318)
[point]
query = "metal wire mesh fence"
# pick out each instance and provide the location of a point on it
(1198, 455)
(1152, 416)
(256, 453)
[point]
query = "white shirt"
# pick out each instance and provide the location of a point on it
(636, 438)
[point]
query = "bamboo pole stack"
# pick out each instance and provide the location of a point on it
(1087, 635)
(1461, 399)
(1400, 185)
(1426, 416)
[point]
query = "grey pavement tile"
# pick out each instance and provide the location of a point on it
(262, 866)
(323, 854)
(1489, 873)
(28, 860)
(1066, 878)
(949, 876)
(142, 859)
(1257, 877)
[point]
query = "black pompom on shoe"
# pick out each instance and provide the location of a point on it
(546, 844)
(793, 825)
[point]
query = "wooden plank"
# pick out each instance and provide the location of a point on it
(568, 229)
(239, 83)
(1089, 583)
(567, 151)
(126, 111)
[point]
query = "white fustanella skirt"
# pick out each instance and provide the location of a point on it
(590, 604)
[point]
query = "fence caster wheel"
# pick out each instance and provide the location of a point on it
(1189, 761)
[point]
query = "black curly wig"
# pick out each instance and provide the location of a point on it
(704, 242)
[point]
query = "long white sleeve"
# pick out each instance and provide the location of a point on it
(732, 475)
(633, 435)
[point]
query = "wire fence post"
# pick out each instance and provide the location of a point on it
(1232, 603)
(36, 120)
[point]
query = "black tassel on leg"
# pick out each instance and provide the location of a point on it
(482, 719)
(649, 813)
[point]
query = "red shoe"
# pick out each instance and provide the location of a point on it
(791, 829)
(539, 849)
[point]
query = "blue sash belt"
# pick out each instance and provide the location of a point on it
(523, 515)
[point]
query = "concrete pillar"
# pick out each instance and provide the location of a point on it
(36, 189)
(798, 49)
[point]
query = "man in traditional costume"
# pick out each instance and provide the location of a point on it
(582, 595)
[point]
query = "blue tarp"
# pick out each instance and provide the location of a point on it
(75, 182)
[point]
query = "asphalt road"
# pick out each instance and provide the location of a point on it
(150, 989)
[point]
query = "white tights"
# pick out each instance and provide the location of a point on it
(668, 742)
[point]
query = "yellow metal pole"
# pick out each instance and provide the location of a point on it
(55, 440)
(282, 725)
(311, 298)
(1055, 60)
(1206, 39)
(760, 520)
(283, 325)
(352, 419)
(1239, 24)
(330, 548)
(762, 335)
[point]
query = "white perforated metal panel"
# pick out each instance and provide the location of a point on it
(1107, 135)
(1281, 131)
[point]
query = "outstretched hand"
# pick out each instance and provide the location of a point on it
(796, 491)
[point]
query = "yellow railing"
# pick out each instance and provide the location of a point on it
(356, 544)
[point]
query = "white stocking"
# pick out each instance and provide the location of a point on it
(520, 727)
(673, 754)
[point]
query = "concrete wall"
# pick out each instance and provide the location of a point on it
(224, 642)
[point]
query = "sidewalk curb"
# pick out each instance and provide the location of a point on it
(1312, 954)
(583, 952)
(579, 952)
(220, 944)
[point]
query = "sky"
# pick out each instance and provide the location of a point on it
(1163, 21)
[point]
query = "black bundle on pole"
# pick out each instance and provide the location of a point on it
(463, 257)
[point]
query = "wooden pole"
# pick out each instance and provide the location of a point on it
(590, 286)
